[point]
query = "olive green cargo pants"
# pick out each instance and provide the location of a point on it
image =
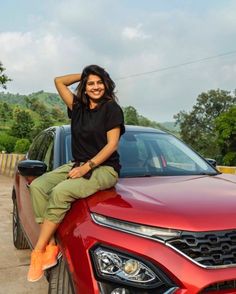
(52, 193)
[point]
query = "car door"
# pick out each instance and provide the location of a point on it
(41, 149)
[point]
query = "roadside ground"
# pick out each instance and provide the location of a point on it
(13, 263)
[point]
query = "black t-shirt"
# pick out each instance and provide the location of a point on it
(89, 128)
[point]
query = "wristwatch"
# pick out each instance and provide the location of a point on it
(91, 164)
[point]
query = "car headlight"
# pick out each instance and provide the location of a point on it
(122, 268)
(136, 229)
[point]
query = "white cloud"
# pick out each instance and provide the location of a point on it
(15, 40)
(136, 32)
(33, 61)
(76, 33)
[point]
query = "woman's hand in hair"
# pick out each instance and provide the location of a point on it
(62, 83)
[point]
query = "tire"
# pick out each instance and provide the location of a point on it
(19, 240)
(60, 281)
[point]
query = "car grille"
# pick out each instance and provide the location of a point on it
(220, 286)
(208, 249)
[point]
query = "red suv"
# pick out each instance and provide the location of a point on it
(169, 225)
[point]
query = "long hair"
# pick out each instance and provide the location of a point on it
(108, 83)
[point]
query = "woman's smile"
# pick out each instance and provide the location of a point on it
(95, 87)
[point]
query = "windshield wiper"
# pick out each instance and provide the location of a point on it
(207, 174)
(138, 176)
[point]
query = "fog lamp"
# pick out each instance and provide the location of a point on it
(120, 291)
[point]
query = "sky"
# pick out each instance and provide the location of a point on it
(161, 53)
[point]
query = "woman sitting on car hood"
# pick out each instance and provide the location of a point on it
(97, 123)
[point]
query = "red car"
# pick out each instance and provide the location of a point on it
(169, 225)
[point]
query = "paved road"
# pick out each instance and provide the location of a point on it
(13, 263)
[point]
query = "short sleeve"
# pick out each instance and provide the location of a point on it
(114, 117)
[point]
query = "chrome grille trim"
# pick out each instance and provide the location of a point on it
(212, 242)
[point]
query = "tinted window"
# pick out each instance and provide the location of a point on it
(42, 148)
(68, 150)
(33, 152)
(154, 154)
(150, 154)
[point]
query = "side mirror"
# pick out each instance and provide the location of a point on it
(211, 161)
(31, 168)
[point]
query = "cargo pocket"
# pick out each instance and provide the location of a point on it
(106, 176)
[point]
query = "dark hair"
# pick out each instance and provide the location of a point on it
(108, 83)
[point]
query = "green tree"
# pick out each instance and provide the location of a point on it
(35, 105)
(130, 115)
(143, 121)
(58, 115)
(45, 122)
(133, 118)
(5, 112)
(226, 135)
(22, 124)
(4, 79)
(7, 142)
(22, 146)
(197, 128)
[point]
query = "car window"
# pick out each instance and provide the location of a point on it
(33, 153)
(176, 157)
(160, 154)
(42, 148)
(68, 151)
(48, 159)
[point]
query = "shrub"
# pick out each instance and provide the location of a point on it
(2, 148)
(230, 158)
(7, 142)
(22, 145)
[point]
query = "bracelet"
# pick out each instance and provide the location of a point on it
(91, 164)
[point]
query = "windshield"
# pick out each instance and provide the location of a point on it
(159, 154)
(144, 154)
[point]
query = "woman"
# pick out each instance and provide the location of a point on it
(96, 125)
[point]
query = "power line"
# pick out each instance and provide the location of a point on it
(176, 66)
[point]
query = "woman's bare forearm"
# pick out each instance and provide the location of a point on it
(68, 80)
(62, 83)
(111, 146)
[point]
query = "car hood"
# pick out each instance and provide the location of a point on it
(192, 203)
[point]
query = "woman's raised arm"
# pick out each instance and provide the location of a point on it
(62, 83)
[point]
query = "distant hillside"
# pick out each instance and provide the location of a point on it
(50, 100)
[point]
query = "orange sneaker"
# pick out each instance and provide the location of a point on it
(36, 266)
(50, 256)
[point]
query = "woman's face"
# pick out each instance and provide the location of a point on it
(95, 87)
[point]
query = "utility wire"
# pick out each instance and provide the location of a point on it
(176, 66)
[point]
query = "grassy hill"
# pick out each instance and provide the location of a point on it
(49, 99)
